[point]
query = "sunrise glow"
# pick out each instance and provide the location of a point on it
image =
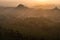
(30, 3)
(41, 0)
(44, 1)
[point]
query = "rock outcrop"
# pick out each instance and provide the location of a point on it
(20, 6)
(56, 8)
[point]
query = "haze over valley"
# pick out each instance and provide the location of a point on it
(21, 20)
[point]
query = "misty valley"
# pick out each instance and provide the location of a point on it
(23, 23)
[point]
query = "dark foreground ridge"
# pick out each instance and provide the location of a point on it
(31, 29)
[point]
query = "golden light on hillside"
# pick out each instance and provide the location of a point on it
(44, 6)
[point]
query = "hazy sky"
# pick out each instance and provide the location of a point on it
(28, 2)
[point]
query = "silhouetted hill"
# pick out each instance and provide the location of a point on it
(20, 6)
(56, 8)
